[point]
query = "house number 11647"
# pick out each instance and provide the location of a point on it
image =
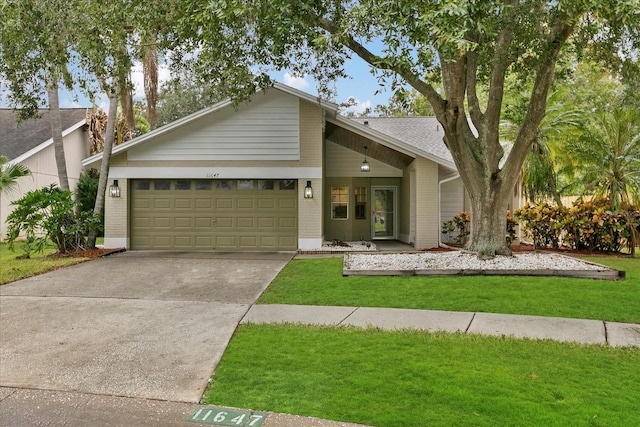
(213, 175)
(227, 417)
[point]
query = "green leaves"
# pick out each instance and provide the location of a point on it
(48, 214)
(9, 173)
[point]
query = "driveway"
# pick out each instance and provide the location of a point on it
(138, 324)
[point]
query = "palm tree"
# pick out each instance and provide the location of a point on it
(545, 160)
(609, 155)
(9, 174)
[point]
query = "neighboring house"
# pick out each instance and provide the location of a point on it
(230, 179)
(30, 143)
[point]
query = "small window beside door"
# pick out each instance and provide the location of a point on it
(339, 202)
(361, 202)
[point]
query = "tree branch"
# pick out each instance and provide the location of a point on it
(379, 62)
(472, 91)
(537, 105)
(500, 64)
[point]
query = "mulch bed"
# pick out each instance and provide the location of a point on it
(87, 253)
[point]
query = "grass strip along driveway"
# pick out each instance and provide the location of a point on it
(13, 268)
(403, 378)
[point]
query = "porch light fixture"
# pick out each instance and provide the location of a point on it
(365, 167)
(308, 191)
(114, 190)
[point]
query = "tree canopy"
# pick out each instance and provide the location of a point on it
(464, 47)
(456, 53)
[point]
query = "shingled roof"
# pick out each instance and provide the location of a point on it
(17, 139)
(424, 133)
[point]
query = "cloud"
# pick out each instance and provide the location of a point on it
(299, 83)
(358, 107)
(137, 78)
(69, 103)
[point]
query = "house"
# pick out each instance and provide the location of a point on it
(281, 172)
(30, 143)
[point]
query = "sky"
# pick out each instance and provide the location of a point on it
(361, 86)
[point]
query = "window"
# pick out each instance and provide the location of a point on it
(265, 184)
(183, 184)
(223, 184)
(203, 185)
(339, 202)
(287, 184)
(161, 185)
(141, 185)
(245, 184)
(361, 202)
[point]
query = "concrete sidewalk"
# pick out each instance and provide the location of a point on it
(534, 327)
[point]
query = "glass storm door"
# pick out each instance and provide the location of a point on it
(384, 213)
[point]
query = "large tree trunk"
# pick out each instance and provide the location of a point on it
(106, 158)
(56, 134)
(488, 233)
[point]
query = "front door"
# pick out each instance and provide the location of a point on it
(384, 213)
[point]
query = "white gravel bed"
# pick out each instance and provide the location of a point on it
(464, 261)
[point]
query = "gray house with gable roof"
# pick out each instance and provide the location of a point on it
(284, 171)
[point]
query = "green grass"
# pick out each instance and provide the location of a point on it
(320, 282)
(13, 269)
(411, 378)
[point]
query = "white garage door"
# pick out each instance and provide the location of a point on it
(223, 215)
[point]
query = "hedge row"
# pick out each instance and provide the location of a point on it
(587, 225)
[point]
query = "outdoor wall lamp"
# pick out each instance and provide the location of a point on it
(308, 191)
(114, 190)
(365, 167)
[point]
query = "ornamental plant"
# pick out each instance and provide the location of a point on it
(542, 224)
(588, 225)
(48, 215)
(457, 228)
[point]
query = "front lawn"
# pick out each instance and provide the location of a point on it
(12, 269)
(320, 282)
(412, 378)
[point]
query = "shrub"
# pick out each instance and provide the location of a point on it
(591, 225)
(86, 193)
(542, 224)
(458, 228)
(48, 214)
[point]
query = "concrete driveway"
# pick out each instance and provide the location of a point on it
(138, 324)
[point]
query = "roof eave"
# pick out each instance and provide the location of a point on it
(327, 106)
(47, 143)
(389, 141)
(159, 131)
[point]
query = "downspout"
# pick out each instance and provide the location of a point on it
(444, 181)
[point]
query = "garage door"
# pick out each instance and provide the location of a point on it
(224, 215)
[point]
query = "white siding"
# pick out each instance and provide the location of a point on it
(44, 171)
(267, 128)
(341, 161)
(452, 199)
